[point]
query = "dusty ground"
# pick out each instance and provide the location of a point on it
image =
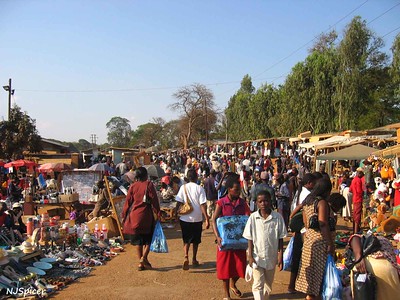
(119, 279)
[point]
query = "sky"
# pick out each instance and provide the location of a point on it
(76, 64)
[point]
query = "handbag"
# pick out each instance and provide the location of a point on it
(296, 222)
(187, 207)
(146, 199)
(314, 222)
(370, 244)
(364, 286)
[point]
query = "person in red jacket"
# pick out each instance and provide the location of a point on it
(357, 187)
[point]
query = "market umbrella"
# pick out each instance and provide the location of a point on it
(152, 149)
(20, 163)
(55, 167)
(100, 167)
(246, 163)
(129, 176)
(154, 171)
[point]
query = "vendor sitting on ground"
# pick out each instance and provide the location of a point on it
(51, 183)
(5, 218)
(102, 202)
(16, 213)
(14, 192)
(167, 193)
(381, 262)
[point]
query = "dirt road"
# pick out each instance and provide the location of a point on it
(119, 279)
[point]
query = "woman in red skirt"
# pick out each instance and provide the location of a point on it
(231, 264)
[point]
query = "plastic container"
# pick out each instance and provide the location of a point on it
(104, 231)
(29, 227)
(96, 231)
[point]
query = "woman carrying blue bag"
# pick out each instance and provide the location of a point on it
(231, 264)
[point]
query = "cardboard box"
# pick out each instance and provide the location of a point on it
(69, 198)
(111, 225)
(59, 211)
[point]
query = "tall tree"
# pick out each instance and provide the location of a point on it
(170, 135)
(19, 134)
(237, 112)
(119, 132)
(195, 102)
(358, 51)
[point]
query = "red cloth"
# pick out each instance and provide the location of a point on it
(396, 194)
(357, 210)
(3, 218)
(140, 220)
(232, 263)
(357, 188)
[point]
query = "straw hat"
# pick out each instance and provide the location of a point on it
(27, 247)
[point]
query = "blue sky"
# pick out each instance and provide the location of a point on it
(76, 64)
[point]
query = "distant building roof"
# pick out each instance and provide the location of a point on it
(54, 143)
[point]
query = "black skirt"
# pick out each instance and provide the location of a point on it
(191, 232)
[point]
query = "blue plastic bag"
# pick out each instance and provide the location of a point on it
(287, 255)
(231, 229)
(332, 287)
(158, 242)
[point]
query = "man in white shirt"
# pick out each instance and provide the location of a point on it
(265, 230)
(192, 223)
(308, 183)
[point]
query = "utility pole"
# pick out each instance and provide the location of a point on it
(8, 88)
(94, 139)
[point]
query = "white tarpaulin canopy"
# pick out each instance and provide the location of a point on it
(342, 140)
(355, 152)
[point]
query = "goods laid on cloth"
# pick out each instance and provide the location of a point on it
(158, 242)
(51, 259)
(231, 231)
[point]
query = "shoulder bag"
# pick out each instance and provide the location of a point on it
(314, 222)
(146, 199)
(187, 207)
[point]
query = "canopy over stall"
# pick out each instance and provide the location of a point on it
(355, 152)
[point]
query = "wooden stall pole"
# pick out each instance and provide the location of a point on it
(115, 211)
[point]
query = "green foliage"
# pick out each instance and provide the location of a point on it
(340, 85)
(119, 134)
(19, 134)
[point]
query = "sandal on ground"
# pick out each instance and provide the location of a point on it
(195, 263)
(236, 292)
(146, 263)
(140, 267)
(185, 265)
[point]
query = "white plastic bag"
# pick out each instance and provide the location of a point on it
(287, 255)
